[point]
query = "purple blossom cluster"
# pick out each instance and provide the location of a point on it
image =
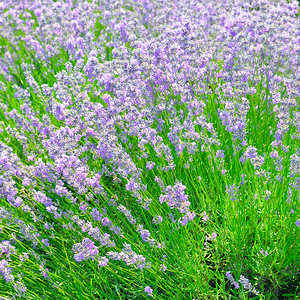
(231, 279)
(7, 249)
(6, 270)
(129, 257)
(175, 198)
(247, 285)
(85, 250)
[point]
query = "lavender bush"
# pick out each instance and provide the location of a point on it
(149, 149)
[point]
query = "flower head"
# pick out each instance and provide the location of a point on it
(148, 290)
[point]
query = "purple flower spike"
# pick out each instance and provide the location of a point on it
(148, 290)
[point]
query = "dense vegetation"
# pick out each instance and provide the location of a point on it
(149, 149)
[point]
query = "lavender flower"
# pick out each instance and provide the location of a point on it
(263, 252)
(231, 279)
(7, 248)
(205, 217)
(20, 288)
(24, 256)
(85, 250)
(247, 285)
(103, 261)
(157, 219)
(220, 153)
(213, 235)
(148, 291)
(5, 271)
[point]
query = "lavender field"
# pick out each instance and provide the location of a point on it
(149, 149)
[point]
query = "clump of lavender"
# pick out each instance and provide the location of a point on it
(6, 270)
(148, 291)
(122, 122)
(232, 191)
(20, 288)
(175, 198)
(129, 257)
(247, 285)
(85, 250)
(7, 249)
(231, 279)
